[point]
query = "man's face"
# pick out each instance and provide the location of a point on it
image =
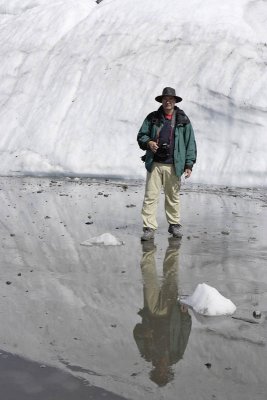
(168, 103)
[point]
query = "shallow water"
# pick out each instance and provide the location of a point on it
(27, 380)
(108, 315)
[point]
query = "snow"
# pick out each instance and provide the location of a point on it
(208, 301)
(77, 79)
(107, 239)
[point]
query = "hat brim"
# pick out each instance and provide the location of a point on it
(177, 98)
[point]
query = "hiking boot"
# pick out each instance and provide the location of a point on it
(148, 245)
(175, 230)
(148, 234)
(174, 243)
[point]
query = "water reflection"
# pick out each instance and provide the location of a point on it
(163, 334)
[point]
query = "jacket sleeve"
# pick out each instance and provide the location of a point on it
(190, 146)
(143, 136)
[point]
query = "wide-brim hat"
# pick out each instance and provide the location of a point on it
(168, 91)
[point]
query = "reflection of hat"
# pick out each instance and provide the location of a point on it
(168, 91)
(161, 374)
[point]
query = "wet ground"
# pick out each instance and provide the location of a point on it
(104, 322)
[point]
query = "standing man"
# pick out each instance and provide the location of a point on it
(163, 333)
(168, 138)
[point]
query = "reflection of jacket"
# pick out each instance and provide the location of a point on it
(185, 150)
(157, 336)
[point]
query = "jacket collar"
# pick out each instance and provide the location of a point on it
(181, 117)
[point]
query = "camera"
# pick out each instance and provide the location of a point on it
(163, 151)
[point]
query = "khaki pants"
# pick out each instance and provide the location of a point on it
(162, 175)
(160, 295)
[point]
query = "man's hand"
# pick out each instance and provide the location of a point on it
(184, 308)
(187, 173)
(152, 146)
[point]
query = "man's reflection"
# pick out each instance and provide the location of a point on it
(163, 334)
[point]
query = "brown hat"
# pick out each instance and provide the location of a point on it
(168, 91)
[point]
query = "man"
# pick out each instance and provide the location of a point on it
(162, 335)
(168, 138)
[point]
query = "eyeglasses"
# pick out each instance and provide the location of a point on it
(170, 99)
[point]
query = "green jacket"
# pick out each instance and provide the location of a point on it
(185, 150)
(168, 335)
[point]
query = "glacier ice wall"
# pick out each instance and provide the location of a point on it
(78, 78)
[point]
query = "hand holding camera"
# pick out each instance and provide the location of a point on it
(153, 146)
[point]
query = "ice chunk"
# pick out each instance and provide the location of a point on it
(105, 239)
(207, 300)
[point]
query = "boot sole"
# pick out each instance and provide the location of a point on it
(146, 239)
